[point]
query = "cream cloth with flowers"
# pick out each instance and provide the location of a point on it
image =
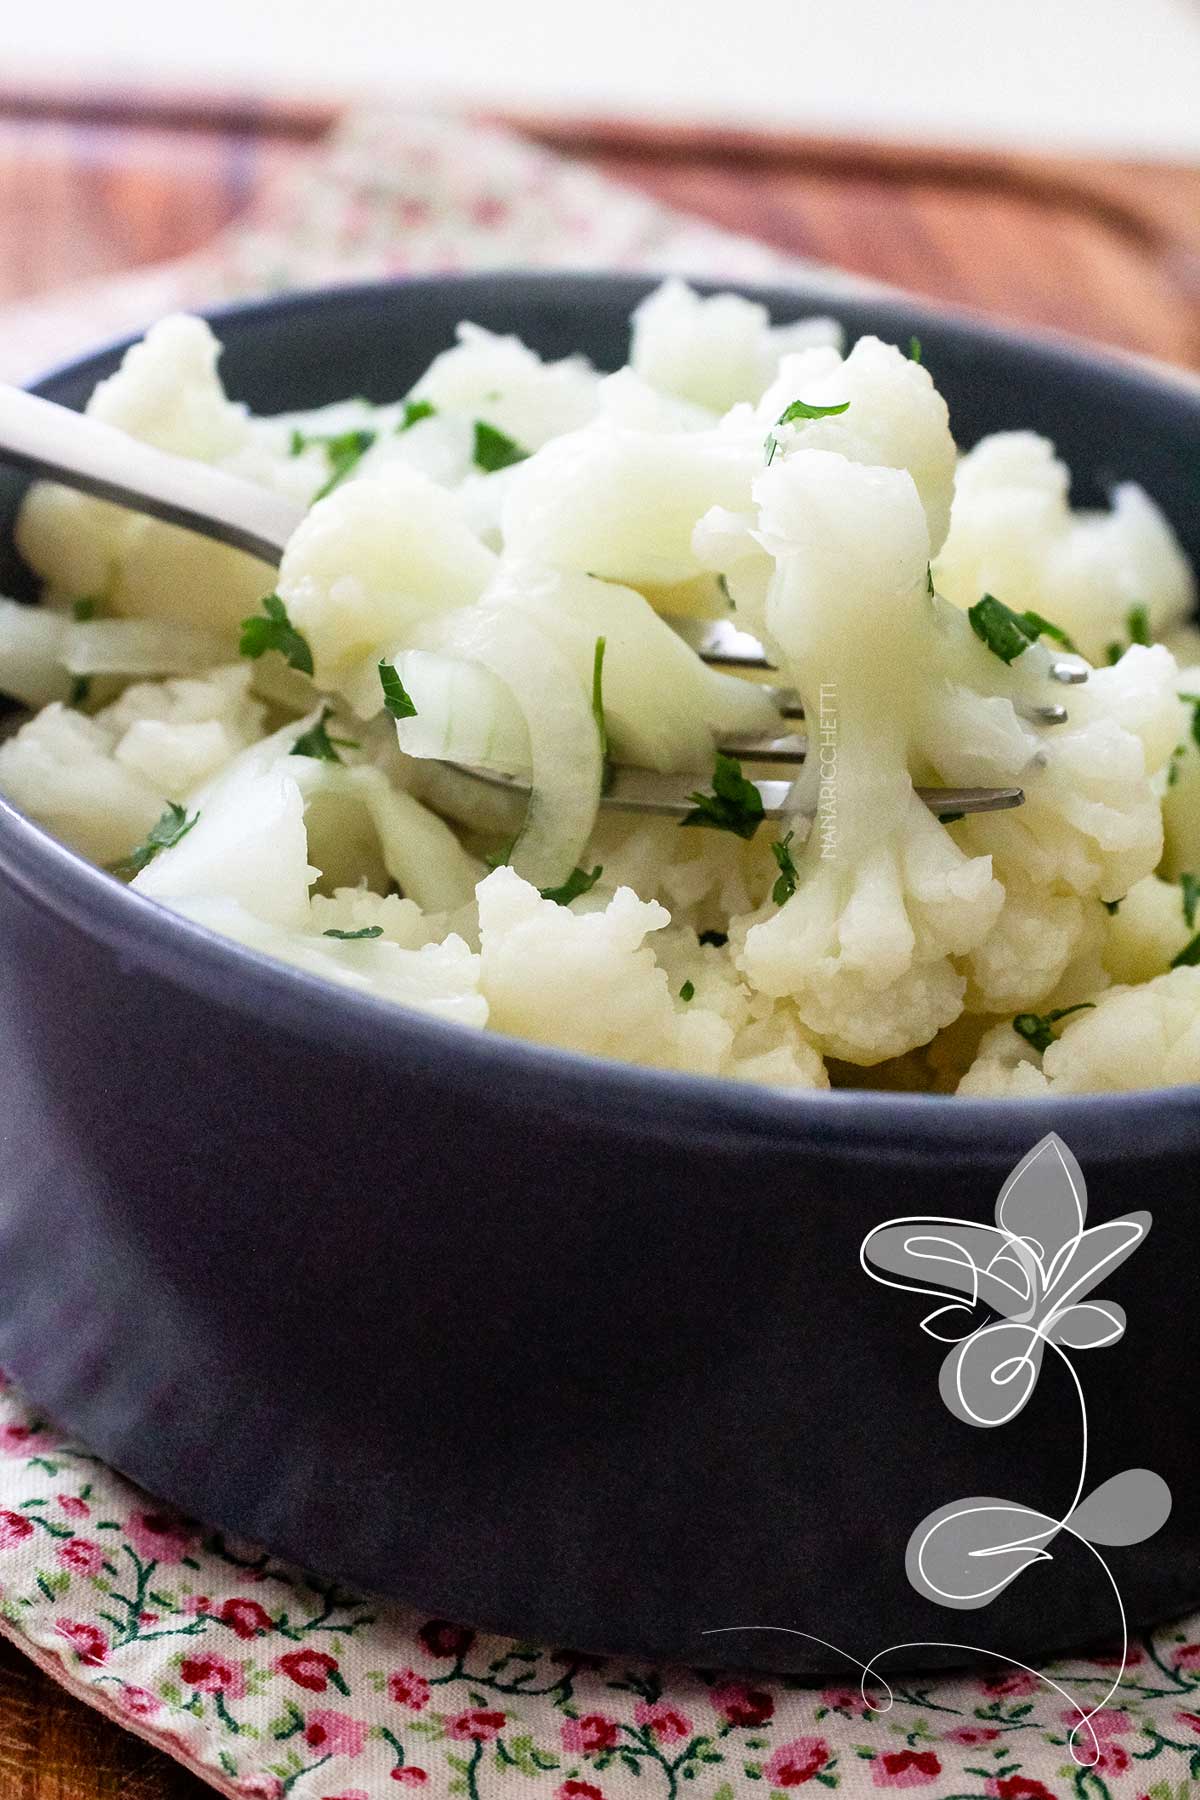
(267, 1683)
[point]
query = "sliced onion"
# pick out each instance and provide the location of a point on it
(140, 647)
(566, 765)
(464, 714)
(31, 640)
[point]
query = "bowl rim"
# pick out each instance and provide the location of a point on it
(647, 1104)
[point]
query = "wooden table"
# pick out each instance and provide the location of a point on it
(1106, 250)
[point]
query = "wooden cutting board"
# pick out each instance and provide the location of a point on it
(93, 185)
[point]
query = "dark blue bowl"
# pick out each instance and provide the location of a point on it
(553, 1345)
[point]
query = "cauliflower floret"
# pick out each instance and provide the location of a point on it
(501, 381)
(1132, 1037)
(1146, 932)
(895, 418)
(167, 393)
(101, 783)
(367, 561)
(1181, 799)
(252, 849)
(1013, 534)
(714, 352)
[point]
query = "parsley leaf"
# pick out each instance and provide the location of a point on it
(799, 409)
(414, 412)
(735, 804)
(914, 349)
(1193, 700)
(577, 882)
(352, 937)
(1009, 634)
(1191, 899)
(598, 695)
(83, 610)
(1137, 624)
(396, 698)
(1037, 1028)
(318, 742)
(275, 631)
(494, 449)
(688, 991)
(1189, 956)
(170, 829)
(718, 939)
(785, 886)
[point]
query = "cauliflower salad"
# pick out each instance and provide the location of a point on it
(499, 573)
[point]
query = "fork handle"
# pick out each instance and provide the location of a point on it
(97, 459)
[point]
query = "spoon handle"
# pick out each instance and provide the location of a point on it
(68, 447)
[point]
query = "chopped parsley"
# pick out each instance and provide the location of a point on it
(1009, 634)
(914, 349)
(598, 695)
(799, 409)
(318, 742)
(577, 882)
(414, 412)
(1191, 899)
(718, 939)
(1193, 700)
(344, 451)
(494, 449)
(735, 804)
(396, 698)
(785, 886)
(1137, 624)
(170, 829)
(688, 991)
(1177, 754)
(273, 630)
(83, 610)
(1038, 1028)
(352, 937)
(1189, 956)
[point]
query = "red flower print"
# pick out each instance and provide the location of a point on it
(246, 1617)
(410, 1776)
(260, 1787)
(309, 1669)
(74, 1507)
(88, 1641)
(1010, 1683)
(1017, 1787)
(742, 1705)
(666, 1722)
(475, 1725)
(197, 1603)
(1113, 1760)
(138, 1702)
(1191, 1720)
(333, 1734)
(211, 1674)
(970, 1734)
(1108, 1722)
(20, 1440)
(905, 1768)
(1187, 1656)
(579, 1790)
(407, 1688)
(159, 1537)
(590, 1734)
(795, 1763)
(441, 1638)
(14, 1528)
(81, 1555)
(352, 1794)
(848, 1699)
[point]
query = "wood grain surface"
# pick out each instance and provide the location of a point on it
(92, 184)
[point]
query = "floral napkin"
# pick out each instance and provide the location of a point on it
(267, 1682)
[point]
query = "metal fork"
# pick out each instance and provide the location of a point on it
(53, 442)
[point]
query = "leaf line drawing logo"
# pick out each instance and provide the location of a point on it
(1010, 1292)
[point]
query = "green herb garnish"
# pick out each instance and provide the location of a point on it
(799, 409)
(688, 991)
(735, 804)
(914, 349)
(494, 449)
(1193, 700)
(598, 694)
(170, 829)
(318, 742)
(83, 610)
(1189, 956)
(273, 630)
(1191, 899)
(785, 886)
(1137, 624)
(414, 412)
(396, 698)
(352, 937)
(1009, 634)
(1037, 1028)
(577, 882)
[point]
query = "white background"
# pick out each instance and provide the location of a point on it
(1113, 75)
